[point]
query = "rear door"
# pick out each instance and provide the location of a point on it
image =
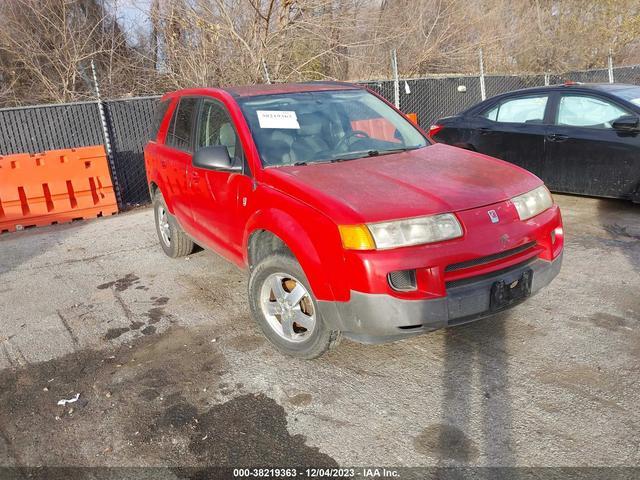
(175, 159)
(585, 154)
(514, 129)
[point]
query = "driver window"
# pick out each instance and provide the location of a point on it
(590, 112)
(215, 128)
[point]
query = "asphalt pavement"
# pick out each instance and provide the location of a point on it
(172, 371)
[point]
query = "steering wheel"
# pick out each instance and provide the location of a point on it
(355, 134)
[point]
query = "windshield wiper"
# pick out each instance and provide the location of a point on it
(400, 149)
(299, 164)
(373, 153)
(355, 155)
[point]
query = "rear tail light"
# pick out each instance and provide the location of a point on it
(434, 130)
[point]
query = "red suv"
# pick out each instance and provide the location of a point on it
(348, 219)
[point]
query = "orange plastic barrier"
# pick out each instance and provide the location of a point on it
(378, 128)
(54, 187)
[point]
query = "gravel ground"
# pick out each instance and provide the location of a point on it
(172, 371)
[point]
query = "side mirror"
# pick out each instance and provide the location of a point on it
(215, 157)
(626, 123)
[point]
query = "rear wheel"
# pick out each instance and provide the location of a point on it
(285, 308)
(173, 240)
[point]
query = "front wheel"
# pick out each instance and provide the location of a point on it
(284, 307)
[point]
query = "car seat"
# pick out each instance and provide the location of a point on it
(310, 139)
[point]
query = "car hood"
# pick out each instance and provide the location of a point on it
(427, 181)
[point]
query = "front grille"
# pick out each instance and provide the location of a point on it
(402, 280)
(489, 258)
(495, 273)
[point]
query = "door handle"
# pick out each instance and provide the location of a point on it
(557, 137)
(485, 131)
(195, 177)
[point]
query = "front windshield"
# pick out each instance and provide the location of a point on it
(301, 128)
(631, 94)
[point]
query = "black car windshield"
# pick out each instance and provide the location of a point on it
(631, 94)
(325, 126)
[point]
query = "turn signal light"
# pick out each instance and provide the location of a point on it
(356, 237)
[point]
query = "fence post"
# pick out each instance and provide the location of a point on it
(396, 80)
(610, 66)
(483, 92)
(546, 79)
(105, 133)
(265, 71)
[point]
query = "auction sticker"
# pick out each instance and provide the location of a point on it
(277, 119)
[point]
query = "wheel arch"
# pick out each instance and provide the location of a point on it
(154, 188)
(276, 231)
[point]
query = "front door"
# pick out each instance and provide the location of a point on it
(585, 154)
(219, 199)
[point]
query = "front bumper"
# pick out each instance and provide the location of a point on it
(379, 318)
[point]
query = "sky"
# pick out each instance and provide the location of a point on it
(131, 14)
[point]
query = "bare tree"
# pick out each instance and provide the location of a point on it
(46, 45)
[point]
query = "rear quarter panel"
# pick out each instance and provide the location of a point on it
(456, 131)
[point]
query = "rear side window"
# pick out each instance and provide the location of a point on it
(518, 110)
(160, 111)
(181, 128)
(590, 112)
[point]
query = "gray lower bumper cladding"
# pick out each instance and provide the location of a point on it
(379, 318)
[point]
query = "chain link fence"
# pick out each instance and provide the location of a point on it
(434, 97)
(52, 127)
(49, 127)
(129, 123)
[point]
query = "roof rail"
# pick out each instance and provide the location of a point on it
(329, 82)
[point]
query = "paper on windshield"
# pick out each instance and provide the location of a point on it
(277, 119)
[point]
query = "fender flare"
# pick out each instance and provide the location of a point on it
(293, 234)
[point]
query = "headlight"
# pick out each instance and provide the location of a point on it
(533, 203)
(401, 233)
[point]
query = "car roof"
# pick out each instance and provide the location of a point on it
(275, 88)
(568, 86)
(267, 89)
(603, 87)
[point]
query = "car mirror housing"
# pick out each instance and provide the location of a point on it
(626, 123)
(215, 157)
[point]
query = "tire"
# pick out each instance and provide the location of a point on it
(177, 243)
(294, 340)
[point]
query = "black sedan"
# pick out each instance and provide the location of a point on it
(578, 138)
